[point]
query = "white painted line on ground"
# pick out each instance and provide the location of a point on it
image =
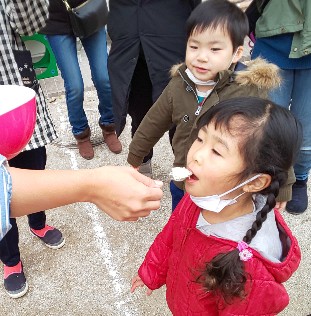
(120, 285)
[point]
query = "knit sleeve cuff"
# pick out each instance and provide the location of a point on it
(285, 193)
(134, 160)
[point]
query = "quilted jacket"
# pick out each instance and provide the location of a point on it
(180, 251)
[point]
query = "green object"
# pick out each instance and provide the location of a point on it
(48, 61)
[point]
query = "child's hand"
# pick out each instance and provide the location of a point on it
(137, 282)
(280, 206)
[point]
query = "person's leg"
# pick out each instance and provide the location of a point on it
(9, 251)
(140, 97)
(35, 159)
(14, 278)
(301, 109)
(96, 50)
(294, 94)
(65, 50)
(177, 194)
(283, 94)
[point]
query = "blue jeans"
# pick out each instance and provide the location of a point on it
(295, 93)
(177, 194)
(65, 50)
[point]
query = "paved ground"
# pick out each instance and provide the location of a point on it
(91, 274)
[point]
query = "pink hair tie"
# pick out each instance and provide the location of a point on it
(245, 253)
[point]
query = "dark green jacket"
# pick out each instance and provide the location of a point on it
(288, 16)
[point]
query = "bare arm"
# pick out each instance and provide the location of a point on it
(121, 192)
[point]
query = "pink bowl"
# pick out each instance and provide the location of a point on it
(17, 118)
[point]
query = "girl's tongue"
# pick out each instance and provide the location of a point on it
(193, 177)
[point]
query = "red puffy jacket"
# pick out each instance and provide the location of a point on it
(180, 251)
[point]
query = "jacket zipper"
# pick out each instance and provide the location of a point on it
(199, 108)
(188, 85)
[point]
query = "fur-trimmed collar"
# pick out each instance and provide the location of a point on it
(258, 72)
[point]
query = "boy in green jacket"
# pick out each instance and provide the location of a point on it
(215, 31)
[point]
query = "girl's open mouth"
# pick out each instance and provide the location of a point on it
(192, 178)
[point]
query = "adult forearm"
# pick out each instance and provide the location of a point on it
(34, 190)
(121, 192)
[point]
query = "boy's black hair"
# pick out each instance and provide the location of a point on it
(219, 13)
(269, 138)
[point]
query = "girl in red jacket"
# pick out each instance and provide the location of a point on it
(225, 249)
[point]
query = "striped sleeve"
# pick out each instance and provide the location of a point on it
(5, 197)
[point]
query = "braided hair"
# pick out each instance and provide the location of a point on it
(269, 138)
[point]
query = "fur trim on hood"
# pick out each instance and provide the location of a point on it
(258, 72)
(174, 70)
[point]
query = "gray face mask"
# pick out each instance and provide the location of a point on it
(214, 203)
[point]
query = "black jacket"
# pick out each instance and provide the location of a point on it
(156, 26)
(58, 22)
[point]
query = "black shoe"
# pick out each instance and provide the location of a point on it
(299, 202)
(15, 283)
(51, 236)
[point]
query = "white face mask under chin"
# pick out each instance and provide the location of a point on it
(198, 82)
(214, 203)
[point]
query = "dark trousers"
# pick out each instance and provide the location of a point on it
(177, 194)
(140, 96)
(34, 159)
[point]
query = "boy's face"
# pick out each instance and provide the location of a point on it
(215, 161)
(210, 52)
